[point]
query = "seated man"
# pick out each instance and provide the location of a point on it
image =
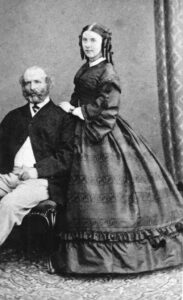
(36, 145)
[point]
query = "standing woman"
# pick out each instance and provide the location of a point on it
(124, 213)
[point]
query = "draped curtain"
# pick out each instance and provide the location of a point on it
(169, 50)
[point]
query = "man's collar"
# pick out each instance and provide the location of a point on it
(41, 104)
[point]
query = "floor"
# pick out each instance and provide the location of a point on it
(26, 278)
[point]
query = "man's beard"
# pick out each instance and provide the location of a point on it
(35, 97)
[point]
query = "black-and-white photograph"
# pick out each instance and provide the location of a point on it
(91, 149)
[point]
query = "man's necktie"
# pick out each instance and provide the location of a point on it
(35, 107)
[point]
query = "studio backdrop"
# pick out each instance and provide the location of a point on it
(169, 49)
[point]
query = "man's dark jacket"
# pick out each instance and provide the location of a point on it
(51, 132)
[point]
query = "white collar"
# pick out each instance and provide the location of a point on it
(96, 62)
(41, 104)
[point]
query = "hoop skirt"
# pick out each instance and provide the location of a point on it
(123, 212)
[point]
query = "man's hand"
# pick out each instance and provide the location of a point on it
(28, 173)
(17, 171)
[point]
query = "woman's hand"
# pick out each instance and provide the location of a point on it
(78, 112)
(66, 106)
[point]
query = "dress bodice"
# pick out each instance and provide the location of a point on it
(89, 80)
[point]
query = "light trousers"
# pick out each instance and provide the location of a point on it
(17, 199)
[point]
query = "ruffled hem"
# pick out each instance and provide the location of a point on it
(91, 257)
(155, 235)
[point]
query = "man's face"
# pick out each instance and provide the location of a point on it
(35, 88)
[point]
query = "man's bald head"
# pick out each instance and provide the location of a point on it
(35, 70)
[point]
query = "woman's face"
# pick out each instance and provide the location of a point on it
(92, 45)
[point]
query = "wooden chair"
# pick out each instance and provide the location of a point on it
(46, 212)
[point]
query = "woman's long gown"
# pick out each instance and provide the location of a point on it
(123, 212)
